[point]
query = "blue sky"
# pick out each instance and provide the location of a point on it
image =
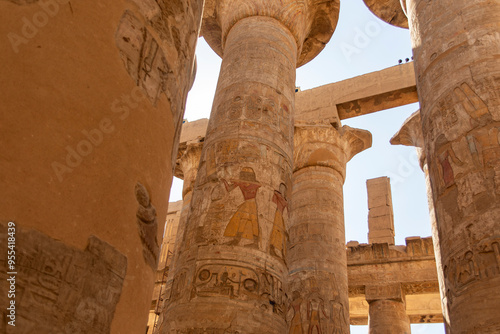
(361, 44)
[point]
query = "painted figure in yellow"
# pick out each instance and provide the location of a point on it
(244, 223)
(277, 245)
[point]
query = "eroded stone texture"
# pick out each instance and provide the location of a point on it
(387, 310)
(60, 289)
(410, 134)
(456, 47)
(316, 258)
(391, 11)
(231, 268)
(380, 215)
(90, 126)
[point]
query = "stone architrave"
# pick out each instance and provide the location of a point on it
(410, 134)
(456, 48)
(387, 310)
(317, 262)
(229, 277)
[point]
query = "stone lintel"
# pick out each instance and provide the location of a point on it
(391, 87)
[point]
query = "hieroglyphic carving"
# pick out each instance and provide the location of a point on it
(242, 283)
(148, 226)
(142, 56)
(480, 261)
(452, 110)
(60, 289)
(265, 108)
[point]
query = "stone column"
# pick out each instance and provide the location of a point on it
(186, 169)
(317, 252)
(456, 46)
(410, 134)
(387, 310)
(230, 273)
(93, 98)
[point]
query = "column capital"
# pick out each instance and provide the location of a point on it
(311, 22)
(186, 167)
(411, 134)
(390, 11)
(323, 145)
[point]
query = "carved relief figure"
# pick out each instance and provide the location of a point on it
(445, 157)
(277, 243)
(296, 322)
(148, 226)
(315, 308)
(244, 223)
(338, 318)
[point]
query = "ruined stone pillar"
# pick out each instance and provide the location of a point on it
(410, 134)
(387, 310)
(93, 97)
(380, 214)
(230, 273)
(456, 46)
(316, 253)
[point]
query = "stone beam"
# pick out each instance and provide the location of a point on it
(413, 266)
(365, 94)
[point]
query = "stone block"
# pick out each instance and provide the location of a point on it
(379, 292)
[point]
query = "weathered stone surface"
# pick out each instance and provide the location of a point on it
(85, 116)
(380, 215)
(388, 316)
(310, 22)
(58, 288)
(410, 134)
(230, 270)
(361, 95)
(456, 49)
(316, 253)
(391, 11)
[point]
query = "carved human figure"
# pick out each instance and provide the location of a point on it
(315, 308)
(148, 226)
(277, 245)
(296, 322)
(446, 156)
(244, 223)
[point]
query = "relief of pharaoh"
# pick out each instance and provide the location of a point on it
(244, 223)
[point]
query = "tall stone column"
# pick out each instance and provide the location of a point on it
(93, 98)
(387, 310)
(456, 46)
(230, 273)
(410, 134)
(187, 170)
(317, 253)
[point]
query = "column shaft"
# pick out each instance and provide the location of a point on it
(317, 253)
(230, 272)
(456, 48)
(387, 316)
